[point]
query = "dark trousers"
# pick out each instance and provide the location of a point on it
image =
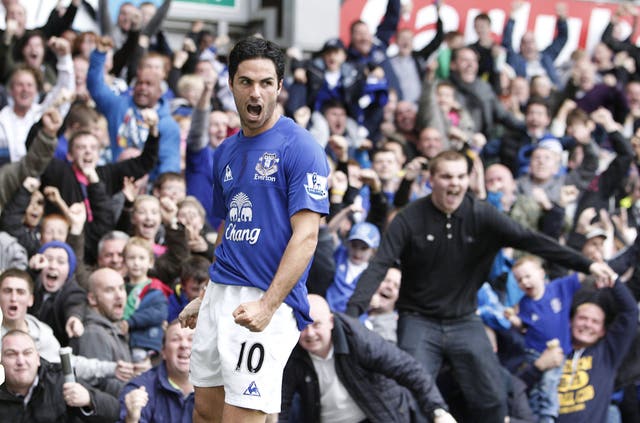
(465, 345)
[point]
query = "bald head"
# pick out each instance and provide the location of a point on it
(318, 307)
(107, 294)
(98, 278)
(316, 338)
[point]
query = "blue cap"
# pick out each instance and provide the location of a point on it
(366, 232)
(70, 254)
(332, 44)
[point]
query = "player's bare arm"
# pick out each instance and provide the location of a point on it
(256, 315)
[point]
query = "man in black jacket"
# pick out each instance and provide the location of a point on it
(446, 243)
(342, 370)
(35, 390)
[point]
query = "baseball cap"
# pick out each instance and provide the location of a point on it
(551, 144)
(333, 44)
(367, 233)
(594, 233)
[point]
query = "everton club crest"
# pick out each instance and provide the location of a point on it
(267, 165)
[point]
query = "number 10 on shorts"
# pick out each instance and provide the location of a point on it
(254, 355)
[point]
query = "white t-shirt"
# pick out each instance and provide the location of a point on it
(336, 405)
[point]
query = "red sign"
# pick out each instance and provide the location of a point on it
(586, 20)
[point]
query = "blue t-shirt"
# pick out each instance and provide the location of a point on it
(548, 317)
(258, 184)
(339, 292)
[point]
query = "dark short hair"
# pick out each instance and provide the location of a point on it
(256, 48)
(333, 103)
(166, 177)
(356, 23)
(456, 52)
(78, 134)
(577, 116)
(196, 268)
(601, 298)
(24, 40)
(81, 115)
(540, 102)
(482, 17)
(17, 273)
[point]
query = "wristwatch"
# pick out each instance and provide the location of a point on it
(439, 412)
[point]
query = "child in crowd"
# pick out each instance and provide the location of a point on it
(156, 221)
(351, 260)
(543, 316)
(58, 299)
(146, 220)
(193, 280)
(191, 215)
(21, 216)
(172, 185)
(146, 309)
(81, 117)
(54, 227)
(190, 88)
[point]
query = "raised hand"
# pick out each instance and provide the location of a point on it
(135, 401)
(60, 46)
(51, 122)
(150, 118)
(74, 327)
(31, 184)
(104, 44)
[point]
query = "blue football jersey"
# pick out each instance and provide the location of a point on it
(259, 183)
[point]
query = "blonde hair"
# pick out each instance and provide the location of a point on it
(192, 201)
(144, 197)
(187, 82)
(527, 259)
(136, 241)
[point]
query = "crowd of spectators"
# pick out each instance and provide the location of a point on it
(107, 229)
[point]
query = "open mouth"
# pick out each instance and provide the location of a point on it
(453, 195)
(50, 280)
(254, 110)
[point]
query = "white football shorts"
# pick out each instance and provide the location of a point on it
(248, 364)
